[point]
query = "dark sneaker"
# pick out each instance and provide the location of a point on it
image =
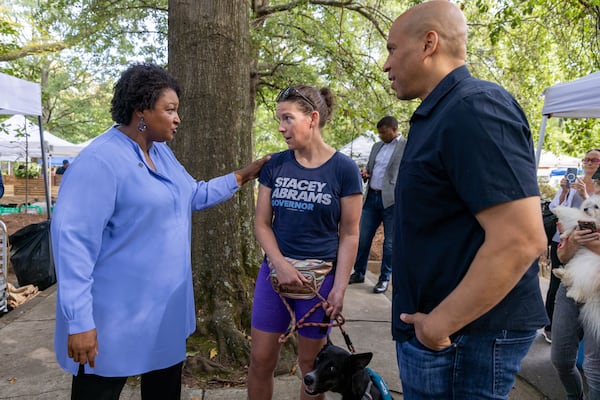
(356, 278)
(381, 287)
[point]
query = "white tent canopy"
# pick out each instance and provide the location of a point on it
(549, 161)
(360, 148)
(576, 99)
(20, 138)
(19, 96)
(23, 97)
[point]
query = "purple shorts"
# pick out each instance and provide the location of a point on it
(269, 314)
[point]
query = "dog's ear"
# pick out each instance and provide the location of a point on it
(361, 360)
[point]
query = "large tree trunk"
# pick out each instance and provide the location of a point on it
(209, 53)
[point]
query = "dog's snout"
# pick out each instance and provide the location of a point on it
(309, 379)
(591, 209)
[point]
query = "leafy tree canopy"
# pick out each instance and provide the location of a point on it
(77, 48)
(529, 45)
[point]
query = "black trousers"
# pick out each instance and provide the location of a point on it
(554, 282)
(162, 384)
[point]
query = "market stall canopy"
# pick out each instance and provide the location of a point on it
(19, 96)
(575, 99)
(549, 160)
(19, 138)
(360, 148)
(23, 97)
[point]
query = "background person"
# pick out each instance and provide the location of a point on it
(380, 175)
(567, 329)
(63, 168)
(466, 298)
(308, 207)
(568, 195)
(125, 302)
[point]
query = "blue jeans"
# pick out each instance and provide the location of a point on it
(475, 366)
(566, 334)
(373, 214)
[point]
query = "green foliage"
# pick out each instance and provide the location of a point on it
(111, 33)
(335, 47)
(529, 45)
(547, 192)
(524, 45)
(27, 170)
(77, 82)
(9, 31)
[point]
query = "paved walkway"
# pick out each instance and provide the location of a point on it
(28, 369)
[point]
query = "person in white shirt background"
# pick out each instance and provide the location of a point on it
(380, 177)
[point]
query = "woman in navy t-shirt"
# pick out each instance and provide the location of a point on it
(309, 204)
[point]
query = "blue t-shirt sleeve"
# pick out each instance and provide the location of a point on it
(351, 179)
(498, 164)
(266, 173)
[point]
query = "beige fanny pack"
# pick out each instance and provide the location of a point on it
(313, 270)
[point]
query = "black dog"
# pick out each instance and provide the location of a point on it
(337, 370)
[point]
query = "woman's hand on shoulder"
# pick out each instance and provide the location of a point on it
(251, 171)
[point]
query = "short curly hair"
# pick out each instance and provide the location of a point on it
(138, 88)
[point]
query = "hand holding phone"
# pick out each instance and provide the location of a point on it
(571, 176)
(583, 225)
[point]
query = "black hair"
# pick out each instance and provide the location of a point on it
(388, 121)
(138, 88)
(596, 174)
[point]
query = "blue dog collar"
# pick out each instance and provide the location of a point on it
(380, 383)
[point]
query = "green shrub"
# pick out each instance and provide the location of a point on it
(32, 172)
(547, 192)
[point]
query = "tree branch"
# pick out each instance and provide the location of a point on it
(35, 48)
(263, 11)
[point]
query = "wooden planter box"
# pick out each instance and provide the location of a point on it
(21, 186)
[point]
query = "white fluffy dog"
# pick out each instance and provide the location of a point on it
(581, 275)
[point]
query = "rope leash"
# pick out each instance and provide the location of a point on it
(294, 326)
(374, 378)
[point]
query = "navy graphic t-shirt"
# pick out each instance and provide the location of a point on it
(306, 203)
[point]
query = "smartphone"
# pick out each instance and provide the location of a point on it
(571, 176)
(587, 225)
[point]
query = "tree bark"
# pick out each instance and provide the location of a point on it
(210, 55)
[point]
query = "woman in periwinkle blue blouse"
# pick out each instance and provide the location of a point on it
(121, 236)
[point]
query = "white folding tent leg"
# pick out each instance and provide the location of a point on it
(538, 152)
